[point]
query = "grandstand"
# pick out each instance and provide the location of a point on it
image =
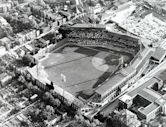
(97, 35)
(95, 63)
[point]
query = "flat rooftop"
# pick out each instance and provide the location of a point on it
(112, 82)
(148, 109)
(141, 87)
(149, 94)
(89, 26)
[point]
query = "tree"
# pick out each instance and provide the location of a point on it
(36, 90)
(21, 79)
(24, 124)
(100, 116)
(36, 115)
(28, 60)
(57, 102)
(48, 112)
(78, 124)
(97, 122)
(14, 111)
(113, 120)
(91, 3)
(46, 96)
(42, 105)
(50, 99)
(109, 122)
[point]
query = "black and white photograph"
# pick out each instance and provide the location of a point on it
(82, 63)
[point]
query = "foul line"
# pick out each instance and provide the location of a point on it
(46, 67)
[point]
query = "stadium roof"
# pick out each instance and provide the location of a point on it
(113, 82)
(141, 59)
(57, 1)
(128, 70)
(89, 26)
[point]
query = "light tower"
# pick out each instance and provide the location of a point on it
(121, 61)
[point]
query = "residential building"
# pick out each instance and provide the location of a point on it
(128, 118)
(5, 79)
(6, 6)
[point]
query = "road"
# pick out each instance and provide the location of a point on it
(41, 35)
(157, 70)
(28, 42)
(110, 108)
(15, 115)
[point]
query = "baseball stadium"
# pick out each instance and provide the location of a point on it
(88, 59)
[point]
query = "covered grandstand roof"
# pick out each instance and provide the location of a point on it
(128, 70)
(142, 58)
(89, 26)
(113, 82)
(57, 1)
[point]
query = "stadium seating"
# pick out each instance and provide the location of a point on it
(101, 37)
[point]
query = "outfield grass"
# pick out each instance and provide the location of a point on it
(83, 67)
